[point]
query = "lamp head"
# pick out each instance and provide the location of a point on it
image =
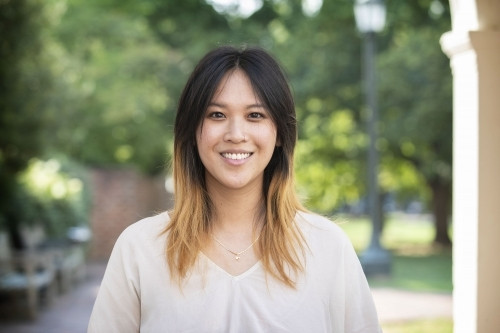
(369, 15)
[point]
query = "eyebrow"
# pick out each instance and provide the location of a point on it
(224, 106)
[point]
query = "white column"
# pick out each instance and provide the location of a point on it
(475, 62)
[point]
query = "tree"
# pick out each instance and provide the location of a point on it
(22, 76)
(118, 85)
(25, 84)
(417, 114)
(415, 103)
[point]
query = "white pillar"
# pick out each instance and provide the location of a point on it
(475, 62)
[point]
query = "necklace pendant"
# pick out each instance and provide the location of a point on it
(237, 257)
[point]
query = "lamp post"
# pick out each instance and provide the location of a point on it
(370, 19)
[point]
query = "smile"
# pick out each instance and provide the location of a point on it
(239, 156)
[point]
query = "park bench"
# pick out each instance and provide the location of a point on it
(33, 276)
(26, 279)
(69, 263)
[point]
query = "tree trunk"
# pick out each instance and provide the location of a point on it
(441, 201)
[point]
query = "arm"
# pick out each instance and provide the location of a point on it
(117, 307)
(360, 313)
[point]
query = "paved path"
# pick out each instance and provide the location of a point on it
(70, 312)
(399, 305)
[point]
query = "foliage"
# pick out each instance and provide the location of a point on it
(417, 106)
(24, 85)
(417, 110)
(415, 103)
(117, 108)
(52, 193)
(58, 185)
(332, 175)
(23, 77)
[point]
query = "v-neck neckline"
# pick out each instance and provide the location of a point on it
(238, 277)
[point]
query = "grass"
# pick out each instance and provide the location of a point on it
(417, 264)
(444, 325)
(418, 273)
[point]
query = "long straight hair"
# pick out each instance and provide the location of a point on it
(281, 243)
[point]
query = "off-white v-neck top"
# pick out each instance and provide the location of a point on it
(136, 293)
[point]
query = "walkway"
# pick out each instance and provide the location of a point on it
(70, 312)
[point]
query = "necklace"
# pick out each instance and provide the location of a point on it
(237, 255)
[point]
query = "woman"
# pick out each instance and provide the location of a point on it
(238, 252)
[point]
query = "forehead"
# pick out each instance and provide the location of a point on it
(235, 87)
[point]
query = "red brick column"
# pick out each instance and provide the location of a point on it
(120, 198)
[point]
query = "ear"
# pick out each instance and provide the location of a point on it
(278, 142)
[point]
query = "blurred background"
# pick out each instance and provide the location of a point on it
(88, 93)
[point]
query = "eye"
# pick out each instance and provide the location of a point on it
(216, 115)
(256, 115)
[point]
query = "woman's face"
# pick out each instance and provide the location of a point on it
(237, 137)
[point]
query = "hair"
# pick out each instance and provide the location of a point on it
(281, 243)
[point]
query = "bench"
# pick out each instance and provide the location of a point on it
(42, 269)
(27, 278)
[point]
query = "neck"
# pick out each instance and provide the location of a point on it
(236, 211)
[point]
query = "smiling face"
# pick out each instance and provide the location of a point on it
(237, 136)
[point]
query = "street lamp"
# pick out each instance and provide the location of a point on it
(370, 19)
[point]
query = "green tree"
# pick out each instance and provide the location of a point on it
(24, 85)
(415, 95)
(23, 79)
(415, 104)
(329, 165)
(118, 85)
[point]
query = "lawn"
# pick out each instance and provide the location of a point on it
(420, 326)
(417, 264)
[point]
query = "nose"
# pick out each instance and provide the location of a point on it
(235, 131)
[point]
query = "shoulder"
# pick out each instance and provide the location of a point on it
(320, 229)
(311, 221)
(150, 228)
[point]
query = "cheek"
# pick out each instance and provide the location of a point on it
(204, 136)
(205, 141)
(268, 135)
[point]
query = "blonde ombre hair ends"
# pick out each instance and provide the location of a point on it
(281, 243)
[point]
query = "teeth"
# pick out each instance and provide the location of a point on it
(236, 156)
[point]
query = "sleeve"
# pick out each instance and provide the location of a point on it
(360, 313)
(117, 306)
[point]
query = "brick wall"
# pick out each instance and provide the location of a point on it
(120, 198)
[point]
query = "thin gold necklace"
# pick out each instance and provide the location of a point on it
(237, 255)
